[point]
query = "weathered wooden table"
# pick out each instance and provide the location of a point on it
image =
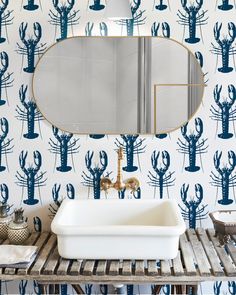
(200, 259)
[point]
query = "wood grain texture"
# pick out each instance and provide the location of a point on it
(152, 268)
(177, 266)
(229, 268)
(40, 243)
(201, 257)
(210, 252)
(187, 255)
(43, 256)
(75, 268)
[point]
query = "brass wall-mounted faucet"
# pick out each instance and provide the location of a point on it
(130, 183)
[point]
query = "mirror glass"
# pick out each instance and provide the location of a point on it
(118, 85)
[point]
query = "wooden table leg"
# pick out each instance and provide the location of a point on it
(156, 289)
(57, 289)
(78, 289)
(172, 289)
(193, 288)
(54, 289)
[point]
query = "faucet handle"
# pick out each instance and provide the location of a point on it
(132, 183)
(105, 184)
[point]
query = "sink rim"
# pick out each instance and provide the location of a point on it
(124, 230)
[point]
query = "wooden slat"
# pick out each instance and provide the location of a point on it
(30, 241)
(152, 268)
(225, 260)
(43, 256)
(40, 242)
(165, 268)
(114, 267)
(50, 265)
(201, 257)
(63, 267)
(210, 252)
(75, 267)
(139, 268)
(177, 266)
(88, 267)
(187, 255)
(232, 251)
(101, 268)
(127, 268)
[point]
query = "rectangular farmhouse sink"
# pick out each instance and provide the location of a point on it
(118, 229)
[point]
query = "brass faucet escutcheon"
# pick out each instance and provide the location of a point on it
(131, 183)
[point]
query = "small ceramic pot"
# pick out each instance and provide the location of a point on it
(5, 219)
(18, 230)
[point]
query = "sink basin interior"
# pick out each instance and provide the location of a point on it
(149, 214)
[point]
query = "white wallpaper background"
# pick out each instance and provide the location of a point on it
(73, 181)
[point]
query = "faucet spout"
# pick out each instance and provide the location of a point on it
(119, 184)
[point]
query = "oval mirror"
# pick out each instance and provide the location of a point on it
(118, 85)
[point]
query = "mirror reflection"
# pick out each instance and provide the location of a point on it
(118, 85)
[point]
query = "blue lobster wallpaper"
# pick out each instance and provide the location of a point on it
(40, 165)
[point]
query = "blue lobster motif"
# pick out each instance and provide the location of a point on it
(31, 179)
(96, 172)
(6, 18)
(161, 6)
(217, 288)
(102, 27)
(5, 144)
(29, 114)
(64, 147)
(192, 213)
(6, 81)
(232, 287)
(224, 113)
(165, 29)
(88, 289)
(137, 18)
(130, 289)
(161, 136)
(64, 289)
(161, 179)
(31, 6)
(4, 193)
(70, 191)
(103, 289)
(96, 5)
(199, 58)
(224, 179)
(131, 147)
(22, 287)
(136, 194)
(192, 147)
(225, 48)
(193, 19)
(96, 136)
(31, 47)
(225, 5)
(37, 224)
(64, 17)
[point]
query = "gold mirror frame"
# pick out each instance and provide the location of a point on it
(203, 84)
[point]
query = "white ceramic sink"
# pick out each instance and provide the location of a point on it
(118, 229)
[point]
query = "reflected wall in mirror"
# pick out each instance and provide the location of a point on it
(118, 85)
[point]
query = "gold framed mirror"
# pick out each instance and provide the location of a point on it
(108, 85)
